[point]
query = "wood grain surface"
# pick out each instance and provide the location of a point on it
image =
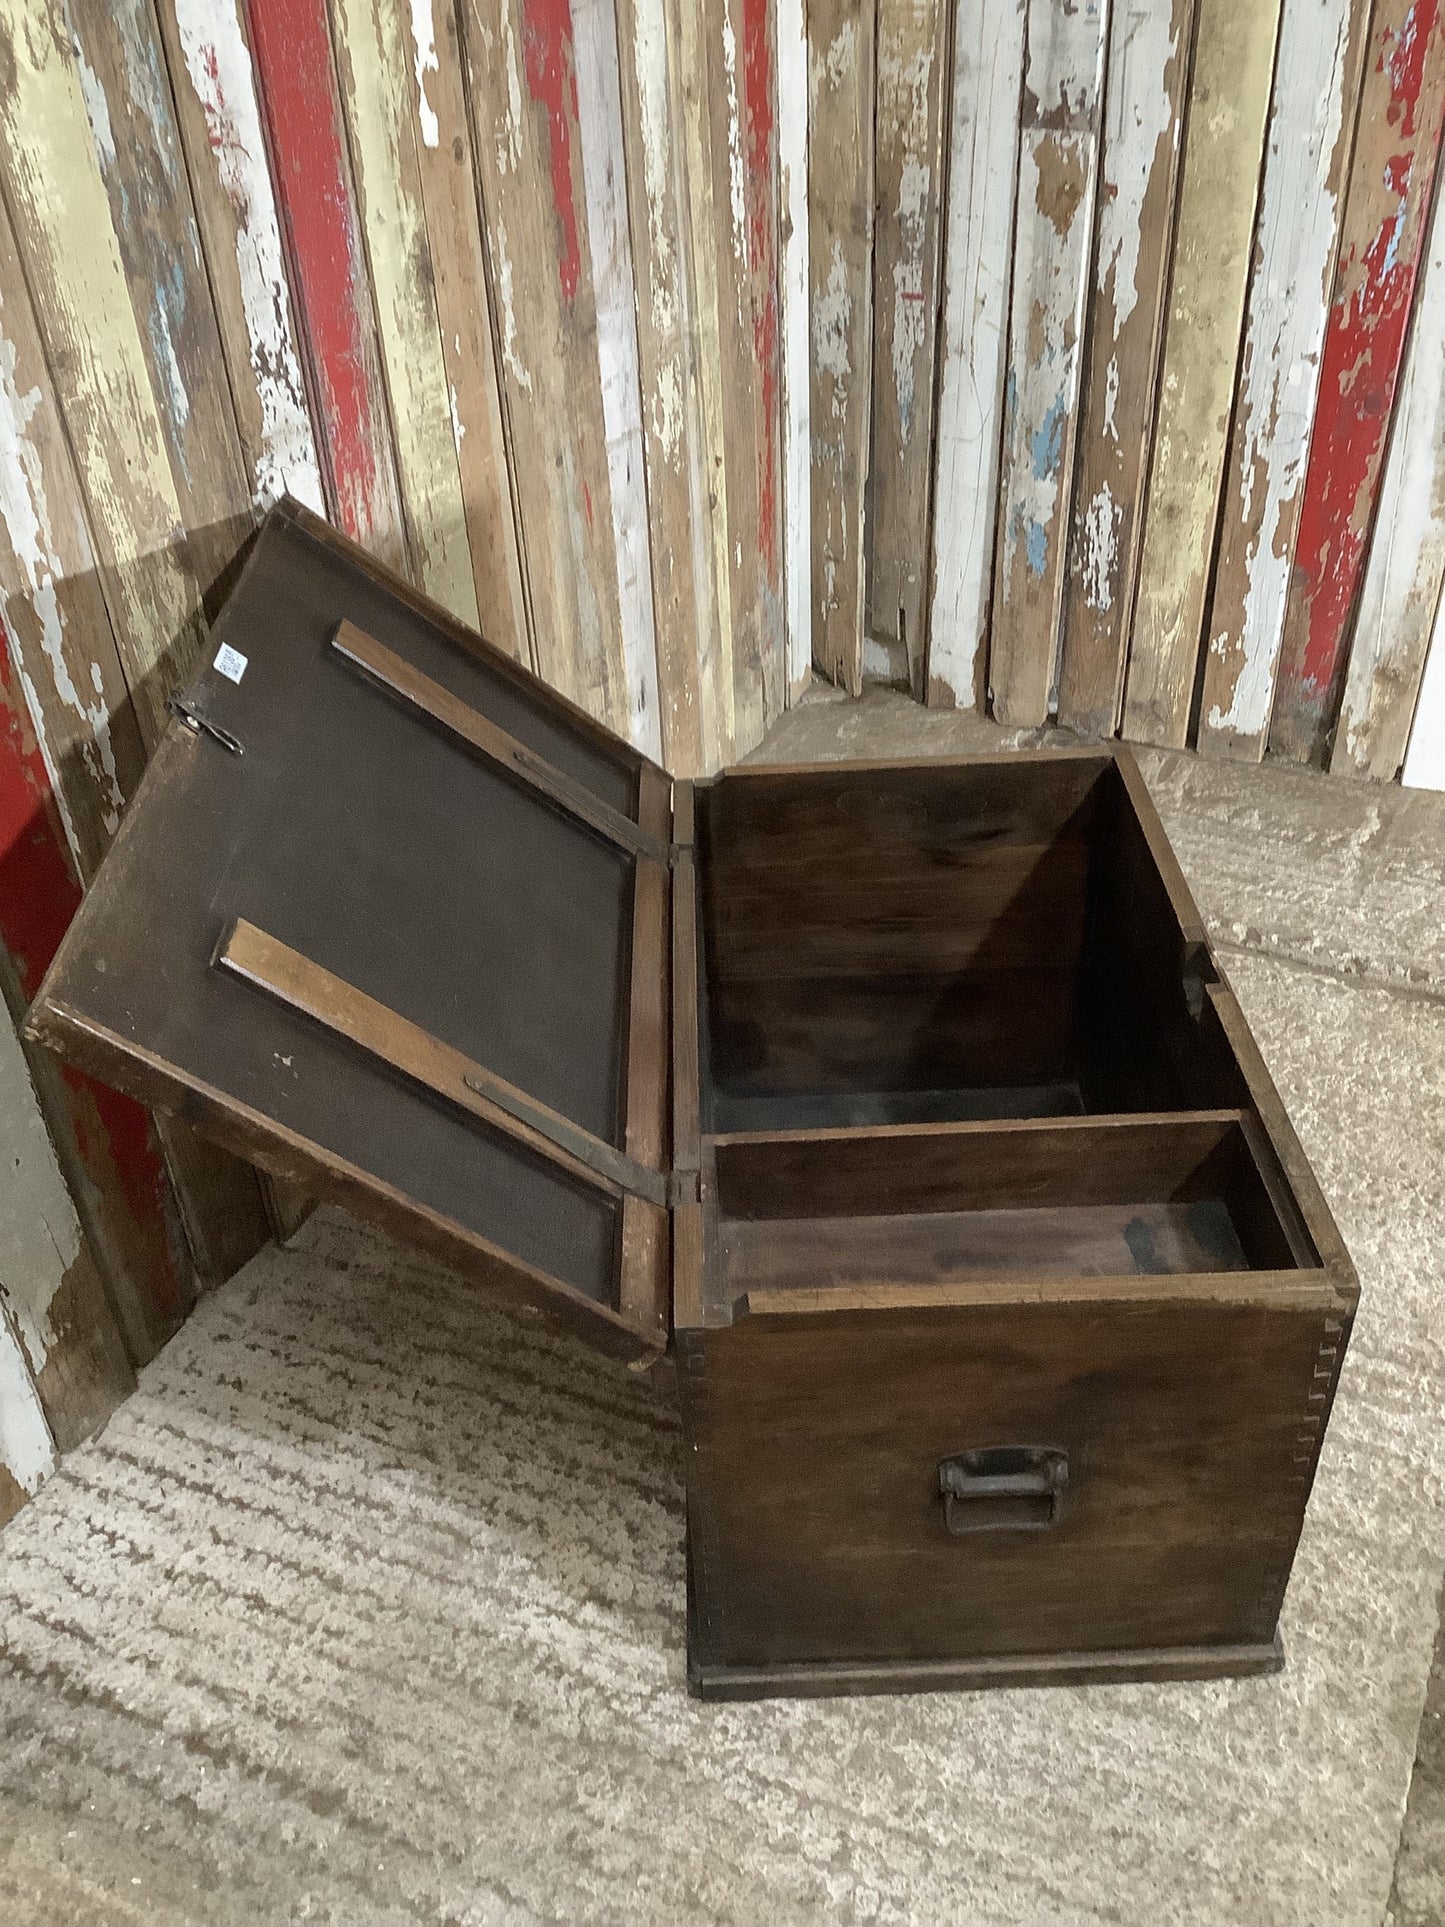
(1148, 68)
(1387, 206)
(1223, 148)
(1053, 236)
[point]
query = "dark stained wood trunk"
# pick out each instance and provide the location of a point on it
(906, 1104)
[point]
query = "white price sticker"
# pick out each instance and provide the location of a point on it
(230, 662)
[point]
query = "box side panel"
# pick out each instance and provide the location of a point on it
(819, 1532)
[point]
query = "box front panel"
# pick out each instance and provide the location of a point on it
(1186, 1432)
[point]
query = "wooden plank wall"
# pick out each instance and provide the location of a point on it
(1080, 364)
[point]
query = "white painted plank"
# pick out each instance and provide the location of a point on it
(27, 1451)
(1425, 758)
(792, 69)
(39, 1232)
(241, 232)
(1407, 552)
(1316, 75)
(599, 121)
(983, 172)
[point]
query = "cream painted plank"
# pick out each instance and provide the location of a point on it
(61, 640)
(982, 180)
(1148, 67)
(76, 276)
(840, 247)
(127, 93)
(1406, 568)
(209, 58)
(599, 125)
(738, 72)
(1425, 758)
(1317, 79)
(374, 63)
(1223, 151)
(681, 550)
(908, 196)
(1053, 234)
(464, 313)
(705, 167)
(792, 62)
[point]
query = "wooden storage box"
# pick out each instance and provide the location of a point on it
(904, 1104)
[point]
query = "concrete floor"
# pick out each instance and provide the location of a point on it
(368, 1605)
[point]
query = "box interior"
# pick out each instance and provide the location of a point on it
(951, 1028)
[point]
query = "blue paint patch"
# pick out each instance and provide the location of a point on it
(1036, 546)
(1046, 444)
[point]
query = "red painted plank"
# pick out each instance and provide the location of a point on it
(1391, 179)
(128, 1207)
(548, 56)
(296, 80)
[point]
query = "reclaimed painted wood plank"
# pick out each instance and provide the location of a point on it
(219, 114)
(522, 81)
(726, 60)
(792, 90)
(464, 313)
(681, 554)
(599, 125)
(127, 93)
(27, 1451)
(738, 57)
(52, 1300)
(1317, 79)
(331, 302)
(1147, 69)
(1406, 567)
(841, 66)
(107, 1146)
(73, 268)
(908, 170)
(374, 61)
(708, 208)
(1425, 758)
(62, 646)
(988, 55)
(1053, 235)
(1223, 152)
(1387, 206)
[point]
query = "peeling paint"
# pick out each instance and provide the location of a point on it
(503, 261)
(832, 315)
(1403, 579)
(1057, 170)
(599, 132)
(550, 64)
(1102, 519)
(218, 64)
(293, 59)
(424, 62)
(1364, 345)
(735, 137)
(26, 515)
(1298, 228)
(988, 56)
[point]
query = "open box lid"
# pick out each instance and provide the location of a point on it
(389, 917)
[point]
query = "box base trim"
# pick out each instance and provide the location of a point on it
(1149, 1663)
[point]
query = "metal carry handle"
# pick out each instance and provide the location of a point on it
(1003, 1488)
